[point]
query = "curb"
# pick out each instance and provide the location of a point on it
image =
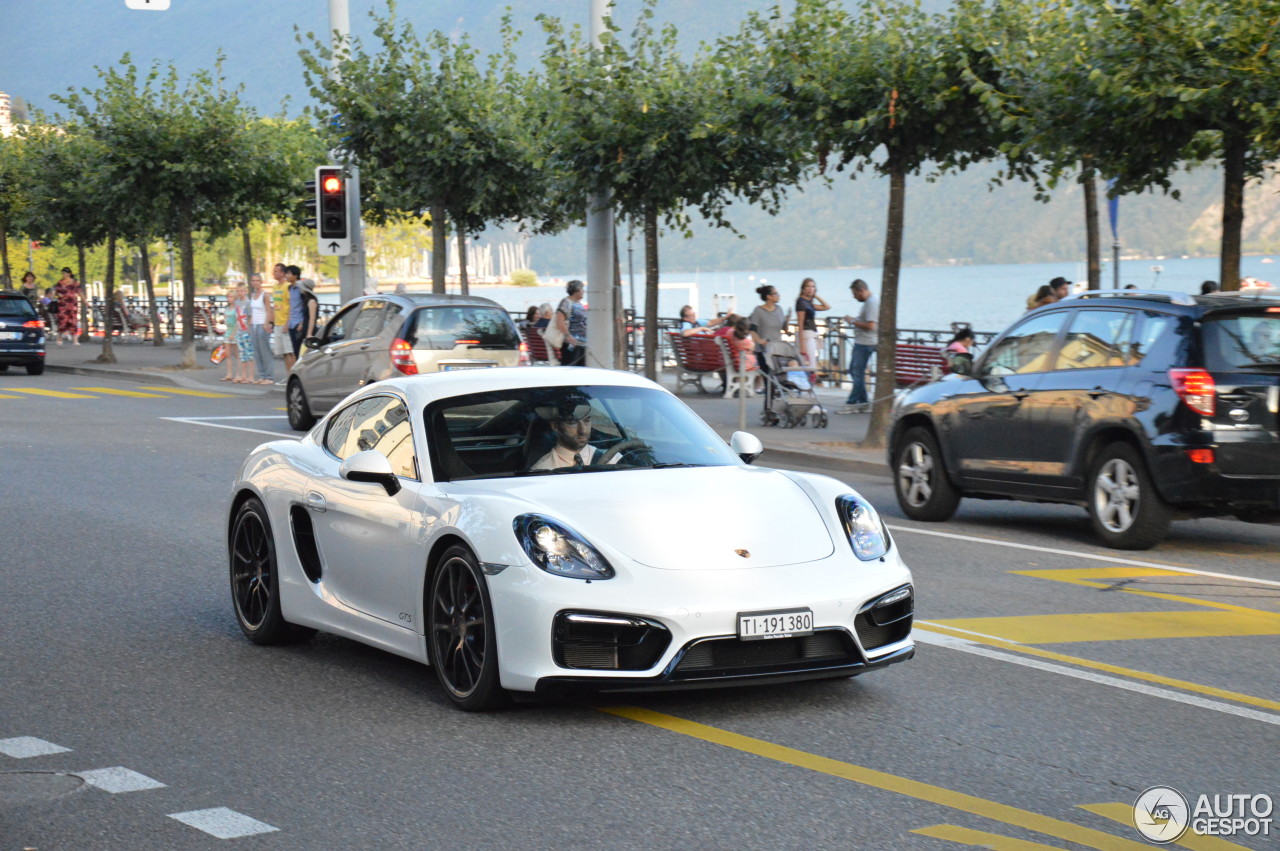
(153, 377)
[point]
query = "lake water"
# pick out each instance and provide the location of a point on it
(986, 297)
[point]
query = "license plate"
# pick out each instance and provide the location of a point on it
(452, 366)
(10, 335)
(783, 623)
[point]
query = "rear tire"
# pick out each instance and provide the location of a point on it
(300, 416)
(920, 478)
(1124, 507)
(35, 369)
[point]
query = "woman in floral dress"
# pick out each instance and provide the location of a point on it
(68, 293)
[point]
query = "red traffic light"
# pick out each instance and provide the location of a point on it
(331, 184)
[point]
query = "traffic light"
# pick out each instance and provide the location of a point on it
(309, 204)
(329, 210)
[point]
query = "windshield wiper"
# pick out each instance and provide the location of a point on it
(670, 464)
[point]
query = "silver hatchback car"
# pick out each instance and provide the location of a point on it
(378, 336)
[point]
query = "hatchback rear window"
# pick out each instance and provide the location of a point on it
(17, 307)
(449, 327)
(1242, 341)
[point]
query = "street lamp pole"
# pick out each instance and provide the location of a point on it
(600, 266)
(351, 267)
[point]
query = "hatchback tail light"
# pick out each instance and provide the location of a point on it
(34, 323)
(402, 357)
(524, 355)
(1195, 387)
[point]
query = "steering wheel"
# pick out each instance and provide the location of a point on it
(617, 449)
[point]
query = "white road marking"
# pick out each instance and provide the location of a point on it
(118, 779)
(954, 643)
(1077, 554)
(22, 747)
(223, 823)
(204, 421)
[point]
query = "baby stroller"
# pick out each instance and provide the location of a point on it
(789, 398)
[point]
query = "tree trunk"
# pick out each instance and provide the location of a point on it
(248, 252)
(887, 320)
(619, 326)
(651, 293)
(1235, 146)
(84, 297)
(6, 276)
(187, 249)
(1094, 248)
(439, 248)
(109, 303)
(157, 330)
(462, 263)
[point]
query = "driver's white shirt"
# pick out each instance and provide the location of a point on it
(559, 457)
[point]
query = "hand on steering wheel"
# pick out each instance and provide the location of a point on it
(617, 449)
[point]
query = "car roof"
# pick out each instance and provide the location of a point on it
(1209, 302)
(428, 387)
(431, 300)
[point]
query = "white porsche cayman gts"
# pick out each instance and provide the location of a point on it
(558, 530)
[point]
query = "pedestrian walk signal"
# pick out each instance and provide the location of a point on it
(333, 235)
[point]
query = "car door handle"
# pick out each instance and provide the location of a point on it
(316, 502)
(1098, 392)
(1021, 394)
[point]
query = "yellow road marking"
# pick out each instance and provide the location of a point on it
(9, 397)
(113, 392)
(1120, 626)
(1123, 813)
(54, 394)
(183, 392)
(881, 780)
(1075, 574)
(1116, 573)
(1210, 691)
(981, 839)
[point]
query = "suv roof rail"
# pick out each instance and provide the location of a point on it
(1170, 296)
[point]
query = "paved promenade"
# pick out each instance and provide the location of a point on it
(826, 448)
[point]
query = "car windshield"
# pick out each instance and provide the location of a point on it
(1242, 341)
(537, 431)
(468, 326)
(17, 307)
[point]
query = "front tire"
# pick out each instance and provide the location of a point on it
(920, 479)
(255, 585)
(1125, 509)
(461, 634)
(300, 416)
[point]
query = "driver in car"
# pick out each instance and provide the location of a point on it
(570, 422)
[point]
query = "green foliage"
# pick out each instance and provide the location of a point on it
(524, 277)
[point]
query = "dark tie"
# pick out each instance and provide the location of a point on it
(577, 461)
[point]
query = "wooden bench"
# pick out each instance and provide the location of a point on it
(536, 345)
(919, 363)
(697, 356)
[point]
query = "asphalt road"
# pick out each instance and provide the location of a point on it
(1055, 681)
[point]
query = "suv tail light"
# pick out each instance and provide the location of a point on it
(1195, 387)
(33, 323)
(402, 357)
(524, 355)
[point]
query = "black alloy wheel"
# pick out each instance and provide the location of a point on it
(254, 580)
(1124, 507)
(920, 480)
(300, 416)
(460, 633)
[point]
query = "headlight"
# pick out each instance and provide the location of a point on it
(559, 550)
(863, 527)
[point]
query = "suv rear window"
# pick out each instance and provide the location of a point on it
(448, 327)
(1242, 341)
(17, 307)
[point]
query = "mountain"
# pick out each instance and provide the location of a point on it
(51, 45)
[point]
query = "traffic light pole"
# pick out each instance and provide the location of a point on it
(351, 267)
(600, 271)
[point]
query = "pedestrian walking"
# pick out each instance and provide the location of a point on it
(68, 293)
(310, 308)
(864, 346)
(571, 320)
(808, 304)
(261, 318)
(280, 346)
(292, 274)
(767, 323)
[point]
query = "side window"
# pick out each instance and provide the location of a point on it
(380, 423)
(1027, 348)
(335, 440)
(1154, 327)
(369, 322)
(1098, 338)
(339, 327)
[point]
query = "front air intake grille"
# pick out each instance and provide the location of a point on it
(602, 641)
(886, 620)
(718, 656)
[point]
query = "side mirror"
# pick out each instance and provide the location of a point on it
(370, 466)
(312, 342)
(746, 446)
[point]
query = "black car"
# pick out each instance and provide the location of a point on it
(1140, 406)
(21, 334)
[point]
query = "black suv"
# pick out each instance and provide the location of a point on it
(1140, 406)
(22, 334)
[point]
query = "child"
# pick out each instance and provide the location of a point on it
(743, 349)
(796, 377)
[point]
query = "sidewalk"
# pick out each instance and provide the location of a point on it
(830, 448)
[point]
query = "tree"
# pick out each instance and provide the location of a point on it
(881, 89)
(13, 201)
